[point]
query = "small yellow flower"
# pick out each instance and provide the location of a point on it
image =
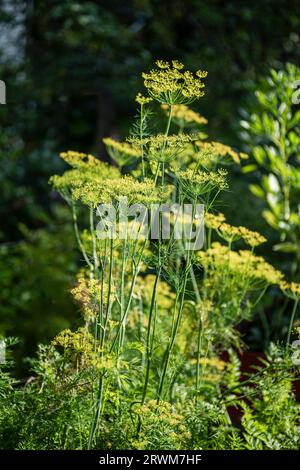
(89, 293)
(177, 65)
(214, 220)
(142, 100)
(81, 341)
(291, 289)
(161, 64)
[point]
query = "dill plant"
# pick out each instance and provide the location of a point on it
(145, 370)
(212, 289)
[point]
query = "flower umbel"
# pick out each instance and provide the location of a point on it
(169, 84)
(162, 149)
(183, 115)
(198, 183)
(291, 289)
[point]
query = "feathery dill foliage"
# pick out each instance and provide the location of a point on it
(144, 369)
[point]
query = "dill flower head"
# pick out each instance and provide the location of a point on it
(161, 148)
(160, 412)
(121, 152)
(80, 341)
(291, 289)
(80, 160)
(169, 84)
(110, 191)
(214, 220)
(197, 183)
(215, 152)
(241, 265)
(142, 100)
(231, 233)
(252, 238)
(85, 168)
(182, 115)
(121, 147)
(88, 293)
(82, 344)
(87, 163)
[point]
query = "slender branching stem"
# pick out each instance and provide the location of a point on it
(288, 340)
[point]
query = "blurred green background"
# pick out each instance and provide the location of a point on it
(72, 70)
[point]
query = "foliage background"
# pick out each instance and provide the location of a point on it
(72, 70)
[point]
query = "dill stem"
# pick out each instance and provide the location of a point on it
(103, 273)
(103, 328)
(163, 174)
(124, 316)
(108, 304)
(141, 136)
(92, 230)
(78, 239)
(122, 300)
(174, 333)
(149, 343)
(175, 325)
(98, 411)
(136, 270)
(168, 126)
(199, 347)
(291, 323)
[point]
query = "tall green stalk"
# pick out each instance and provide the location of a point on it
(149, 341)
(288, 340)
(174, 331)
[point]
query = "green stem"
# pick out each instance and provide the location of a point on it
(168, 125)
(148, 343)
(173, 336)
(199, 347)
(141, 137)
(122, 293)
(123, 319)
(98, 411)
(108, 304)
(291, 323)
(80, 244)
(92, 229)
